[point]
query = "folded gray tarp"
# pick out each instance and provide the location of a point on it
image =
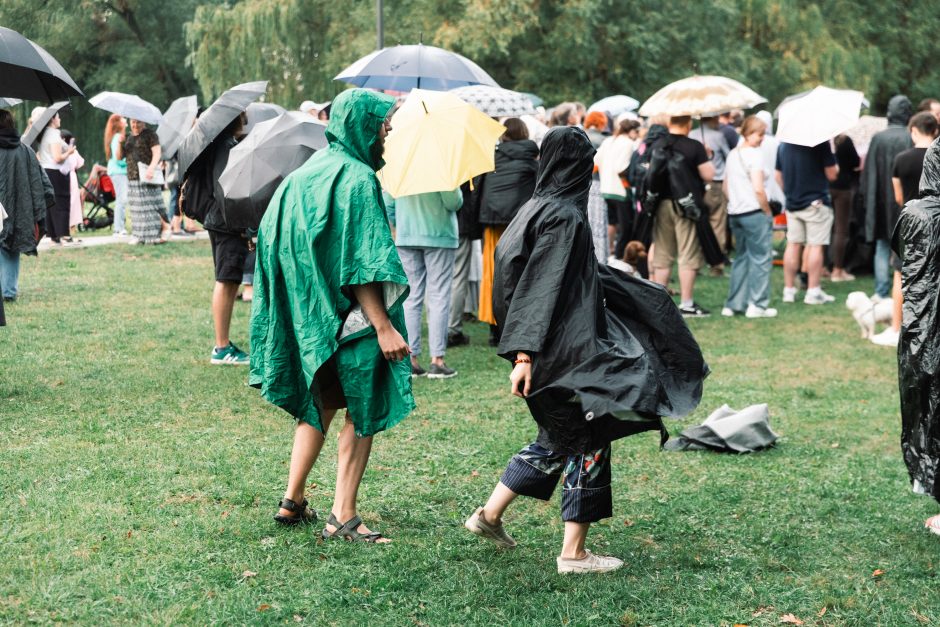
(728, 430)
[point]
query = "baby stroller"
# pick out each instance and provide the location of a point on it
(99, 191)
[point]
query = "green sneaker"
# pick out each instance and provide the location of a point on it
(231, 355)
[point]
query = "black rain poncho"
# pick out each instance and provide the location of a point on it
(881, 212)
(610, 354)
(917, 242)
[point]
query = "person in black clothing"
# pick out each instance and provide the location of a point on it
(502, 192)
(842, 191)
(229, 248)
(468, 228)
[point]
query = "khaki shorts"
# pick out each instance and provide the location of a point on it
(675, 237)
(811, 226)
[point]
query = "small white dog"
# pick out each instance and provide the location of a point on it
(867, 312)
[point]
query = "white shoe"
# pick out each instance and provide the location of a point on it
(818, 298)
(888, 337)
(789, 294)
(495, 533)
(753, 311)
(590, 563)
(727, 312)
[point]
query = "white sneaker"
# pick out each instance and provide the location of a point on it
(888, 337)
(727, 312)
(753, 311)
(818, 298)
(789, 294)
(590, 563)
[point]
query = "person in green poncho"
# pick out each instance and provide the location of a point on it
(327, 320)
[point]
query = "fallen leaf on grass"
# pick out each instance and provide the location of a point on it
(834, 445)
(878, 573)
(923, 620)
(298, 618)
(475, 473)
(790, 619)
(823, 611)
(763, 609)
(740, 625)
(129, 533)
(225, 514)
(628, 523)
(249, 573)
(264, 607)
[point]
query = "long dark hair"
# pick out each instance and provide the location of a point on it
(515, 130)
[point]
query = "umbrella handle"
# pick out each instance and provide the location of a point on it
(425, 108)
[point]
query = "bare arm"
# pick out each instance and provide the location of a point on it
(119, 153)
(155, 153)
(832, 172)
(757, 180)
(898, 191)
(706, 171)
(59, 155)
(373, 305)
(778, 176)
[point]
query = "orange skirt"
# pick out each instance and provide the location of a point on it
(491, 235)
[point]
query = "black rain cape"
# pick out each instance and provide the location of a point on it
(917, 242)
(598, 338)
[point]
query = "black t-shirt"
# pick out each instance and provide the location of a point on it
(848, 160)
(908, 166)
(693, 154)
(804, 173)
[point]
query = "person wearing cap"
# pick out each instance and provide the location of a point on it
(319, 110)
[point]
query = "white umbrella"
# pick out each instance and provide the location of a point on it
(9, 102)
(495, 102)
(700, 95)
(818, 116)
(615, 105)
(128, 105)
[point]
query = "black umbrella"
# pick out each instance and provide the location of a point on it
(40, 123)
(213, 120)
(257, 165)
(177, 121)
(28, 71)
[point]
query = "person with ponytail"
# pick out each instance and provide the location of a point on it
(114, 134)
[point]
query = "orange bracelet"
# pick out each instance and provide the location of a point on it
(524, 360)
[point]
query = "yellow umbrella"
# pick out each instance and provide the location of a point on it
(437, 142)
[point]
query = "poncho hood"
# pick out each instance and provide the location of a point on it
(356, 117)
(900, 110)
(566, 165)
(930, 178)
(519, 149)
(9, 138)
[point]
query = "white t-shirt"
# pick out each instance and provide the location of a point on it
(741, 162)
(50, 137)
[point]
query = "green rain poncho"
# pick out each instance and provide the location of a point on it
(324, 231)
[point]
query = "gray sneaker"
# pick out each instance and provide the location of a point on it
(590, 563)
(441, 372)
(494, 533)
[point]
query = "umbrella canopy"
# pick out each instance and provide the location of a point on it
(28, 71)
(615, 105)
(700, 95)
(535, 100)
(128, 105)
(177, 121)
(213, 120)
(865, 103)
(257, 165)
(437, 142)
(261, 111)
(9, 102)
(495, 102)
(864, 130)
(403, 68)
(818, 116)
(39, 124)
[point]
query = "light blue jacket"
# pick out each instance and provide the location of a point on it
(425, 220)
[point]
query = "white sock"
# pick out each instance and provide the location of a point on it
(814, 291)
(789, 290)
(687, 303)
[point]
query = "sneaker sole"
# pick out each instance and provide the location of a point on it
(441, 376)
(577, 570)
(418, 376)
(222, 362)
(696, 315)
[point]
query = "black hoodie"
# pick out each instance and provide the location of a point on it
(511, 184)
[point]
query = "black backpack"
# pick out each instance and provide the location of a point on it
(669, 175)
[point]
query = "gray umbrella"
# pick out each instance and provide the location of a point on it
(9, 102)
(128, 105)
(213, 120)
(403, 68)
(257, 165)
(261, 111)
(39, 124)
(728, 430)
(177, 121)
(28, 71)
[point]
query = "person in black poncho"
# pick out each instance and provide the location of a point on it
(598, 355)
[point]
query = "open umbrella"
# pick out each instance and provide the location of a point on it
(261, 111)
(177, 121)
(257, 165)
(818, 116)
(615, 105)
(437, 143)
(40, 123)
(28, 71)
(403, 68)
(535, 100)
(213, 120)
(9, 102)
(128, 105)
(700, 95)
(495, 102)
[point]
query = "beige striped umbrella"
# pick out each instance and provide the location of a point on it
(701, 95)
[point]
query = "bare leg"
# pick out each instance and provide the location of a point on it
(223, 300)
(611, 238)
(661, 275)
(814, 265)
(791, 263)
(898, 295)
(353, 455)
(308, 442)
(575, 535)
(498, 502)
(687, 283)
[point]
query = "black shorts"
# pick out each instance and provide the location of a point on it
(228, 252)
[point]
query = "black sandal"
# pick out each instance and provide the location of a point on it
(305, 515)
(350, 531)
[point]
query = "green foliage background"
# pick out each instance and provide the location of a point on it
(559, 49)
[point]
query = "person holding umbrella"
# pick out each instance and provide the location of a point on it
(52, 153)
(327, 319)
(144, 198)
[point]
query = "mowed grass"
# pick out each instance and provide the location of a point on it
(138, 482)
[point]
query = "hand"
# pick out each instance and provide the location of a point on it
(149, 175)
(393, 345)
(521, 374)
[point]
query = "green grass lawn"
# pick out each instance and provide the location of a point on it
(138, 483)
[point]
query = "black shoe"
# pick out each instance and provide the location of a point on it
(417, 371)
(457, 339)
(695, 311)
(9, 299)
(441, 372)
